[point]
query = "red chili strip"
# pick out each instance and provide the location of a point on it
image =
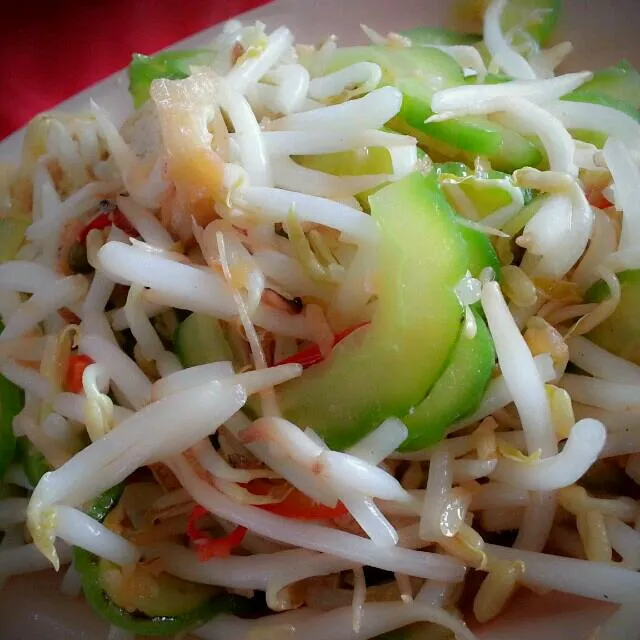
(105, 220)
(100, 222)
(296, 504)
(312, 355)
(207, 546)
(75, 370)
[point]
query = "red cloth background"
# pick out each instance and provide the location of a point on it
(51, 50)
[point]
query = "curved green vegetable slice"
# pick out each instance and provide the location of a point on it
(11, 402)
(34, 464)
(539, 17)
(169, 597)
(515, 152)
(457, 392)
(519, 222)
(100, 507)
(481, 253)
(376, 160)
(199, 339)
(470, 137)
(425, 36)
(174, 65)
(418, 72)
(177, 594)
(490, 78)
(487, 194)
(506, 248)
(531, 19)
(621, 82)
(160, 626)
(359, 162)
(473, 134)
(620, 332)
(388, 367)
(594, 97)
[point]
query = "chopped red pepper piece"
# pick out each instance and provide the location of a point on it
(299, 506)
(105, 220)
(68, 316)
(120, 220)
(596, 199)
(312, 355)
(296, 505)
(307, 357)
(207, 546)
(75, 369)
(100, 222)
(193, 531)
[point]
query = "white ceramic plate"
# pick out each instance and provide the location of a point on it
(602, 32)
